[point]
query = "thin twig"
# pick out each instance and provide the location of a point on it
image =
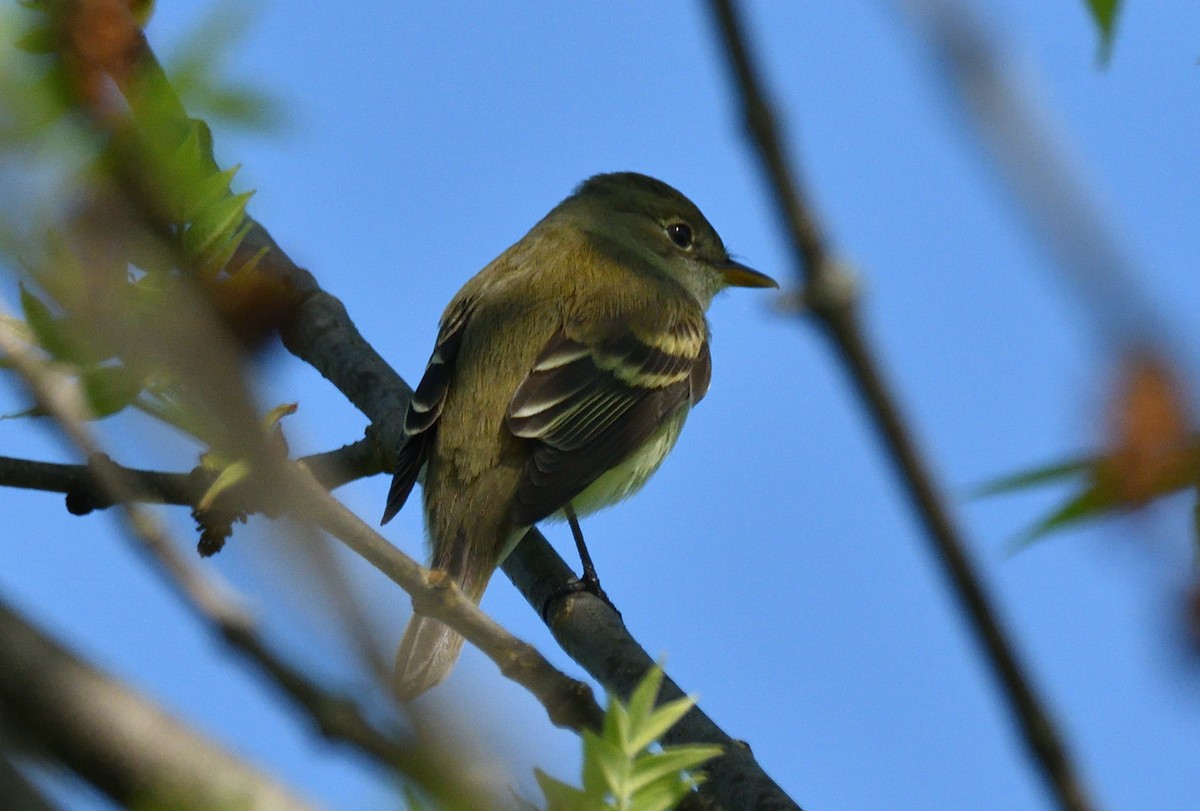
(331, 468)
(831, 298)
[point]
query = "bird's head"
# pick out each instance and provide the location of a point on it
(644, 220)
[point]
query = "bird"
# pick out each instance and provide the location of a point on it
(560, 379)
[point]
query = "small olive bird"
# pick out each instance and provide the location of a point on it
(561, 377)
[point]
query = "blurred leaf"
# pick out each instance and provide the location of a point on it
(110, 389)
(207, 191)
(669, 764)
(228, 478)
(234, 471)
(1104, 14)
(32, 411)
(40, 41)
(641, 701)
(1091, 503)
(215, 226)
(1150, 453)
(195, 67)
(274, 417)
(1028, 479)
(561, 797)
(142, 11)
(1148, 428)
(649, 730)
(242, 105)
(44, 326)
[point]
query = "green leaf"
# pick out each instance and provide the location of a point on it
(194, 70)
(1104, 14)
(661, 796)
(660, 721)
(208, 191)
(226, 480)
(1028, 479)
(670, 762)
(239, 105)
(110, 389)
(561, 797)
(32, 411)
(603, 764)
(1090, 503)
(217, 259)
(39, 41)
(641, 703)
(47, 330)
(215, 225)
(617, 729)
(618, 770)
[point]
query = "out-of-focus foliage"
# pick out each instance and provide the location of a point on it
(137, 215)
(1105, 13)
(620, 770)
(1152, 452)
(196, 66)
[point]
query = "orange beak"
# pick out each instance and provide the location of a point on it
(736, 274)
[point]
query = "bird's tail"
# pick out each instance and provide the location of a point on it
(427, 654)
(430, 648)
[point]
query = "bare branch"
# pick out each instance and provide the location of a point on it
(1057, 204)
(568, 702)
(210, 600)
(593, 635)
(119, 741)
(19, 793)
(838, 314)
(331, 468)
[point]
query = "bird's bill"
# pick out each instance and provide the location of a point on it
(736, 274)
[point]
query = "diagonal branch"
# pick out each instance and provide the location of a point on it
(119, 741)
(830, 294)
(210, 600)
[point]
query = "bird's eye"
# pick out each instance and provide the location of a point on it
(681, 234)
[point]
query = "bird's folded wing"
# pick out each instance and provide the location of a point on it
(593, 399)
(420, 421)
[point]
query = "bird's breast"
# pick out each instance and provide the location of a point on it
(628, 477)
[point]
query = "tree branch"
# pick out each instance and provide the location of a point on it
(331, 468)
(831, 296)
(317, 329)
(119, 741)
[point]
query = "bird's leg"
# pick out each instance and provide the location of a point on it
(589, 582)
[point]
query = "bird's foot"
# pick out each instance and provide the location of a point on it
(589, 583)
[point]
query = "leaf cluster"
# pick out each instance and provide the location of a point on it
(623, 768)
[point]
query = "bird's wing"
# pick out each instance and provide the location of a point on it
(591, 400)
(420, 421)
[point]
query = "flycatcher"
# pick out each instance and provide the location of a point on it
(561, 377)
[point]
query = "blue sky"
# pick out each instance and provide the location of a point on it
(773, 561)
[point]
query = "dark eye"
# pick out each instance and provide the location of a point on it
(681, 234)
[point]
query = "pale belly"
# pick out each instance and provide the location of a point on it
(622, 481)
(628, 477)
